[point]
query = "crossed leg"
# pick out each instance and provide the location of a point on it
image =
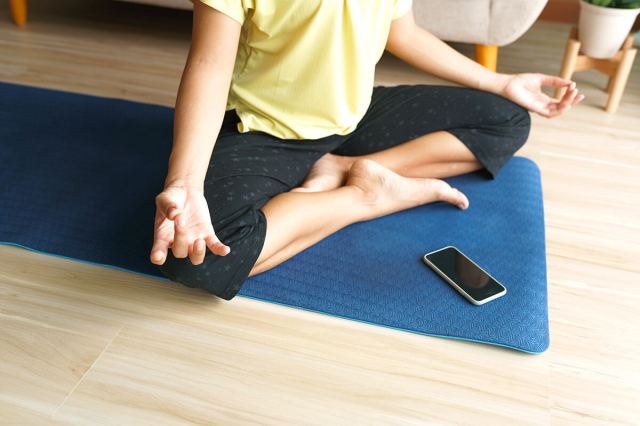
(343, 189)
(298, 219)
(436, 155)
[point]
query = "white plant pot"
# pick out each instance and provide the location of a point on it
(602, 30)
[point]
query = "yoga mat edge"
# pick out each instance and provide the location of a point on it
(285, 304)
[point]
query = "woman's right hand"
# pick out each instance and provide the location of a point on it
(183, 224)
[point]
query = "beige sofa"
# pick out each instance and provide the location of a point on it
(485, 23)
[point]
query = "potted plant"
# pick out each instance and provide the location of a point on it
(604, 25)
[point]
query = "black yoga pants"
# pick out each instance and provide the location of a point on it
(248, 169)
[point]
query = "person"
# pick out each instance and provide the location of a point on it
(281, 137)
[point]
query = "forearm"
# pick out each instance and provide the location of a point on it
(426, 52)
(200, 108)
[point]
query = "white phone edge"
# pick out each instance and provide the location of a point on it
(458, 288)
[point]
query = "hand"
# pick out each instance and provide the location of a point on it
(526, 91)
(183, 223)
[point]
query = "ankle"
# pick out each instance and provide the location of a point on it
(366, 184)
(363, 202)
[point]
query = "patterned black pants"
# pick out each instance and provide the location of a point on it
(248, 169)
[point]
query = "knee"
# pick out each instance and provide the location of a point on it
(222, 276)
(217, 275)
(209, 275)
(520, 125)
(510, 123)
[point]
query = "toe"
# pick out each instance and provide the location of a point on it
(455, 197)
(463, 201)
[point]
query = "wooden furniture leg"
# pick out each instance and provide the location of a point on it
(620, 80)
(487, 55)
(18, 11)
(609, 83)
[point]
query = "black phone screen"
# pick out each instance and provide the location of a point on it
(469, 277)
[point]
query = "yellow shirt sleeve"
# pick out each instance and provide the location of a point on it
(401, 7)
(235, 9)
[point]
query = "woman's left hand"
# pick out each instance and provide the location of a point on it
(526, 91)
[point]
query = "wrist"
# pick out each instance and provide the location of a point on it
(184, 172)
(495, 83)
(184, 182)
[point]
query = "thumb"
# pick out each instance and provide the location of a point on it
(552, 80)
(167, 205)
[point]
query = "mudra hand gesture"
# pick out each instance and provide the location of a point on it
(183, 224)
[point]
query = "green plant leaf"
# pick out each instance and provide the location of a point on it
(624, 4)
(603, 3)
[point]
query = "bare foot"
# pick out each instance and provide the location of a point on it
(329, 172)
(388, 192)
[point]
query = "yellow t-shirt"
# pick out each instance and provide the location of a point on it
(305, 68)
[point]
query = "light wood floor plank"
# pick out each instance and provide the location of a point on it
(221, 375)
(40, 366)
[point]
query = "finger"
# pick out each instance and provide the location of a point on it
(557, 107)
(568, 97)
(555, 81)
(578, 99)
(570, 89)
(541, 108)
(553, 111)
(571, 98)
(216, 246)
(546, 113)
(180, 246)
(566, 103)
(172, 212)
(543, 111)
(567, 93)
(159, 251)
(198, 251)
(167, 206)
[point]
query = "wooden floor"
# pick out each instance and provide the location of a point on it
(81, 344)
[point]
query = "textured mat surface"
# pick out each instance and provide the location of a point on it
(79, 175)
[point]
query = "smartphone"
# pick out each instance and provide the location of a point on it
(473, 282)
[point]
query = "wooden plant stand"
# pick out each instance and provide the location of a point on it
(617, 67)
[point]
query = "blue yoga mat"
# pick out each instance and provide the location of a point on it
(79, 175)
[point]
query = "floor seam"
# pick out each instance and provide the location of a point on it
(53, 415)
